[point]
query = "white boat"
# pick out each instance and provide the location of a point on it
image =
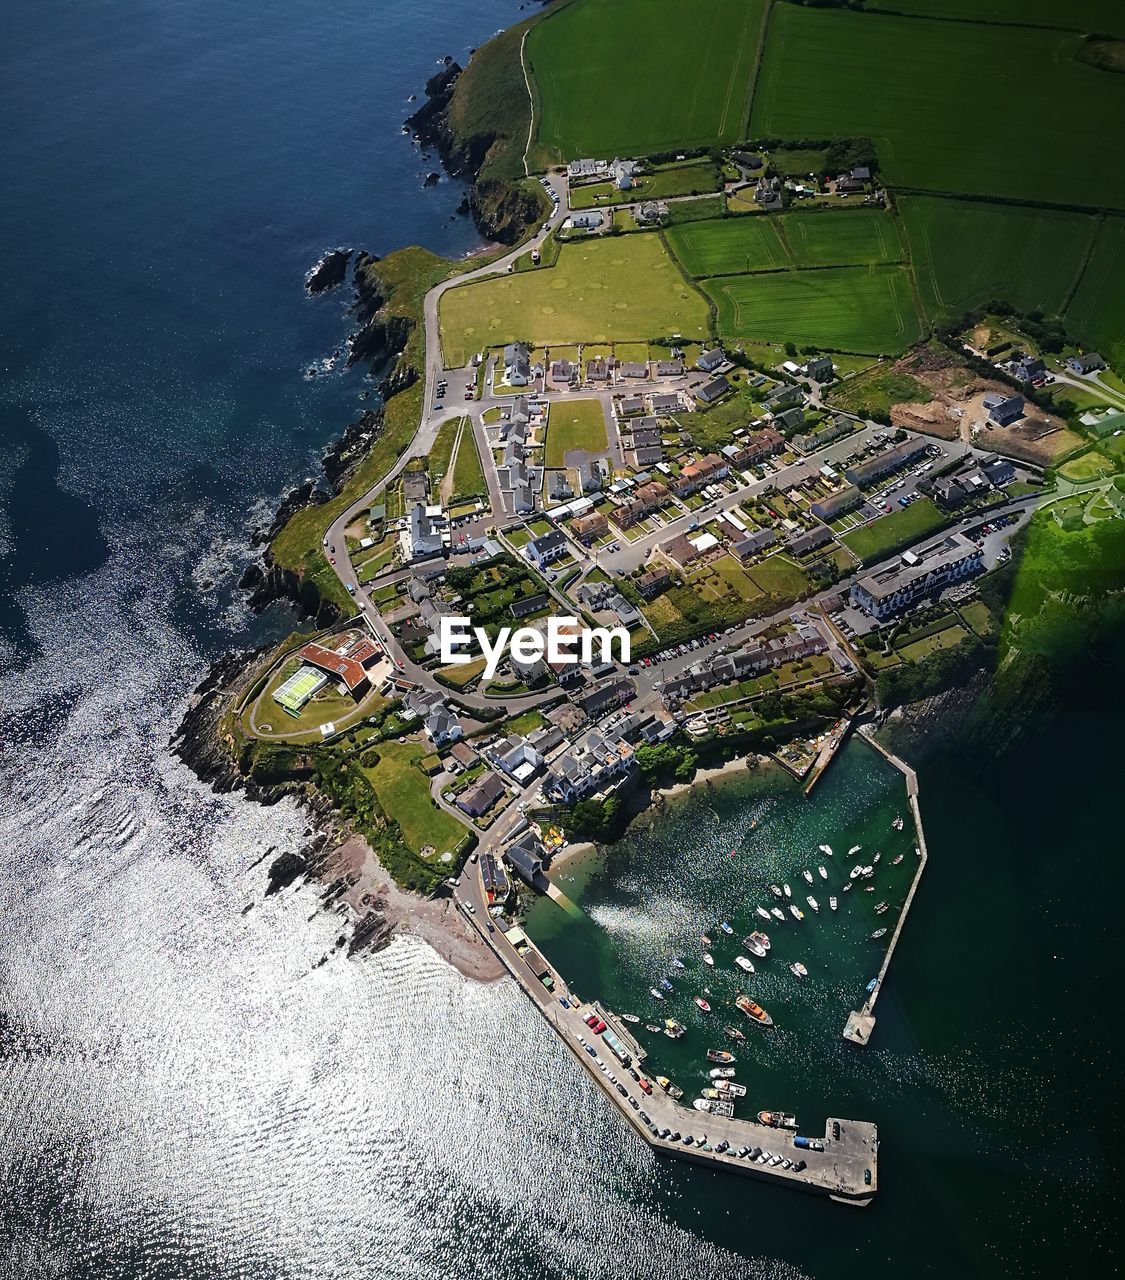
(848, 887)
(761, 911)
(708, 958)
(897, 824)
(744, 963)
(808, 876)
(854, 849)
(722, 1073)
(725, 927)
(702, 1104)
(788, 891)
(757, 939)
(735, 1090)
(753, 944)
(868, 872)
(813, 902)
(876, 858)
(826, 848)
(775, 889)
(658, 994)
(777, 913)
(677, 963)
(630, 1017)
(799, 969)
(896, 861)
(832, 903)
(857, 870)
(823, 873)
(796, 912)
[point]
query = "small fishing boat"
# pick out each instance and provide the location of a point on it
(775, 889)
(823, 873)
(733, 1033)
(777, 912)
(872, 985)
(796, 912)
(744, 964)
(651, 1026)
(658, 994)
(788, 891)
(826, 848)
(732, 1090)
(753, 1011)
(666, 984)
(672, 1090)
(876, 858)
(808, 876)
(897, 824)
(702, 1104)
(854, 849)
(777, 1119)
(883, 906)
(711, 1092)
(857, 870)
(720, 1055)
(673, 1029)
(870, 888)
(832, 903)
(813, 903)
(708, 958)
(761, 911)
(878, 934)
(725, 927)
(896, 861)
(847, 888)
(699, 1000)
(705, 939)
(677, 963)
(629, 1017)
(799, 969)
(721, 1073)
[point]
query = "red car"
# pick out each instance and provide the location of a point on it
(645, 1085)
(591, 1020)
(599, 1026)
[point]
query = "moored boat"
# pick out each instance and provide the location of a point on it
(702, 1104)
(672, 1090)
(847, 888)
(666, 984)
(881, 907)
(872, 985)
(826, 848)
(708, 958)
(721, 1073)
(876, 858)
(878, 934)
(699, 1000)
(761, 911)
(813, 903)
(732, 1090)
(857, 870)
(677, 963)
(776, 911)
(720, 1055)
(832, 903)
(725, 927)
(705, 939)
(673, 1029)
(799, 969)
(752, 944)
(753, 1011)
(808, 876)
(896, 861)
(733, 1033)
(744, 963)
(854, 849)
(775, 889)
(897, 824)
(710, 1092)
(787, 890)
(658, 994)
(796, 912)
(629, 1017)
(777, 1119)
(823, 873)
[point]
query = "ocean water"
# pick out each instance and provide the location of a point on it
(195, 1084)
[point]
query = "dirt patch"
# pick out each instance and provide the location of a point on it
(1038, 437)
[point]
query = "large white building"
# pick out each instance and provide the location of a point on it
(918, 573)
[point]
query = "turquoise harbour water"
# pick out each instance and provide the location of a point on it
(195, 1084)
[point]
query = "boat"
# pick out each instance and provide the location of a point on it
(788, 891)
(708, 958)
(808, 876)
(796, 912)
(872, 985)
(896, 861)
(699, 1000)
(734, 1090)
(883, 906)
(720, 1055)
(868, 872)
(832, 903)
(847, 888)
(826, 848)
(762, 939)
(711, 1092)
(725, 927)
(666, 984)
(876, 858)
(673, 1029)
(677, 963)
(702, 1104)
(877, 934)
(651, 1026)
(870, 888)
(705, 939)
(629, 1017)
(857, 870)
(744, 963)
(897, 824)
(733, 1033)
(672, 1090)
(775, 889)
(823, 873)
(753, 1011)
(813, 902)
(757, 942)
(799, 969)
(658, 994)
(721, 1073)
(761, 911)
(776, 911)
(777, 1119)
(854, 849)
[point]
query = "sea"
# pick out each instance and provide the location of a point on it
(195, 1082)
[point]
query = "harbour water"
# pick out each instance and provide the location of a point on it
(189, 1090)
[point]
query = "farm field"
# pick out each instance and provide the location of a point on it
(1097, 310)
(842, 238)
(869, 310)
(917, 119)
(649, 77)
(728, 246)
(574, 424)
(883, 536)
(966, 253)
(626, 288)
(1078, 15)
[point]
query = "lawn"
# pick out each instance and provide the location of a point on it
(633, 77)
(442, 451)
(404, 793)
(468, 475)
(907, 84)
(966, 253)
(860, 309)
(886, 535)
(949, 638)
(1097, 310)
(675, 180)
(626, 288)
(574, 424)
(1087, 466)
(976, 614)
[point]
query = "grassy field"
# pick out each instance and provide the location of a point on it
(862, 309)
(876, 390)
(442, 452)
(1087, 466)
(574, 424)
(675, 180)
(728, 245)
(842, 238)
(948, 638)
(966, 253)
(633, 77)
(1097, 310)
(622, 289)
(404, 793)
(901, 81)
(884, 536)
(1077, 15)
(468, 474)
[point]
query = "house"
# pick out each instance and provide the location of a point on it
(530, 673)
(1029, 368)
(606, 698)
(441, 725)
(643, 434)
(586, 170)
(622, 171)
(665, 403)
(695, 475)
(463, 754)
(415, 486)
(711, 360)
(564, 373)
(646, 497)
(918, 574)
(801, 544)
(680, 551)
(586, 220)
(548, 548)
(477, 799)
(597, 370)
(627, 405)
(651, 583)
(421, 539)
(810, 441)
(517, 364)
(949, 493)
(651, 212)
(998, 470)
(754, 543)
(846, 184)
(529, 604)
(767, 193)
(649, 456)
(789, 419)
(347, 663)
(820, 368)
(828, 509)
(785, 393)
(525, 857)
(559, 488)
(1004, 410)
(589, 477)
(712, 391)
(759, 445)
(633, 369)
(1088, 363)
(669, 368)
(517, 758)
(885, 463)
(588, 529)
(594, 764)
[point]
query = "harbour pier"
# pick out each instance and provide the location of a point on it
(843, 1165)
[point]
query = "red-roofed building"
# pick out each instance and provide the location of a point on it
(348, 670)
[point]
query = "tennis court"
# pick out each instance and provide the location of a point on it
(298, 689)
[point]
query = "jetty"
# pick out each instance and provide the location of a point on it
(843, 1165)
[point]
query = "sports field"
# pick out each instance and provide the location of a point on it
(863, 309)
(1097, 310)
(622, 289)
(574, 424)
(946, 103)
(633, 77)
(966, 253)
